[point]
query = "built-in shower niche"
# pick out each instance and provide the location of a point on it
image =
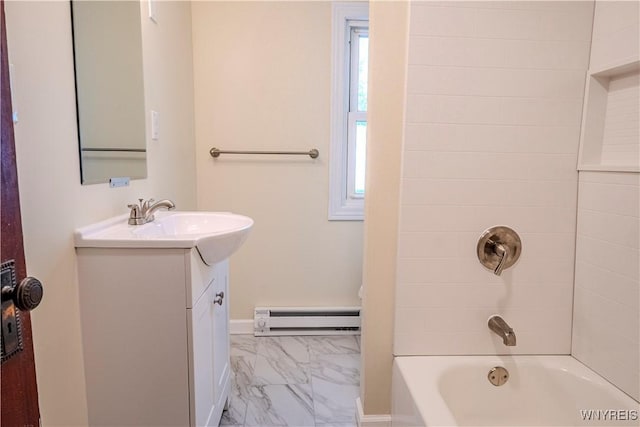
(610, 138)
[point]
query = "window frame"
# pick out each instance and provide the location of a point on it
(344, 204)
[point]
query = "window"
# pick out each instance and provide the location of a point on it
(349, 111)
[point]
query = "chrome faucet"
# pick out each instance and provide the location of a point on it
(142, 213)
(503, 330)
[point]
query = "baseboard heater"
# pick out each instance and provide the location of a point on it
(306, 321)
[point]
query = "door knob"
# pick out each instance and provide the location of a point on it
(26, 295)
(16, 297)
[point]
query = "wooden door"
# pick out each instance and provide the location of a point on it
(19, 389)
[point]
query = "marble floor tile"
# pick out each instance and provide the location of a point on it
(244, 345)
(293, 348)
(340, 344)
(275, 370)
(280, 405)
(334, 403)
(241, 377)
(225, 423)
(293, 381)
(343, 369)
(242, 370)
(235, 414)
(282, 360)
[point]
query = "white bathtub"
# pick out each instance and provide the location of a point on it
(541, 391)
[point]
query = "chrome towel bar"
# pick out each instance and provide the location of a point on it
(313, 153)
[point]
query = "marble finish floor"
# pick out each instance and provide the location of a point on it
(293, 381)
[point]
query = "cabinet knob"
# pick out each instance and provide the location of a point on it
(218, 299)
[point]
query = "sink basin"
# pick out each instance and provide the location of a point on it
(216, 235)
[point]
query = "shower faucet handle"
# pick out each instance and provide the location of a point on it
(503, 252)
(499, 248)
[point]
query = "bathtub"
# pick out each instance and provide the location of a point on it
(540, 391)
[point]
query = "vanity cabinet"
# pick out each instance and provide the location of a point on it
(209, 344)
(155, 335)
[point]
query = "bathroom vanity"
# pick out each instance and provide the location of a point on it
(155, 327)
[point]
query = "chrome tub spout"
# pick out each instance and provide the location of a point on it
(503, 330)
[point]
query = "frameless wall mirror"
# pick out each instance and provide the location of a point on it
(107, 44)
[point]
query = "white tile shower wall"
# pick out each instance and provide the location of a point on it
(621, 135)
(606, 320)
(616, 41)
(494, 100)
(616, 26)
(606, 324)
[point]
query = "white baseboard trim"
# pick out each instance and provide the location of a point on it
(241, 326)
(370, 420)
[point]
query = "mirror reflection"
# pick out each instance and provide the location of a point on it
(107, 42)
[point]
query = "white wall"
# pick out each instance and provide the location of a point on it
(52, 199)
(389, 34)
(494, 102)
(606, 320)
(262, 72)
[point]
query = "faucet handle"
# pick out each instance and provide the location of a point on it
(498, 248)
(503, 252)
(134, 215)
(145, 205)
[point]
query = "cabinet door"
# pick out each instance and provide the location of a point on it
(203, 399)
(221, 365)
(210, 373)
